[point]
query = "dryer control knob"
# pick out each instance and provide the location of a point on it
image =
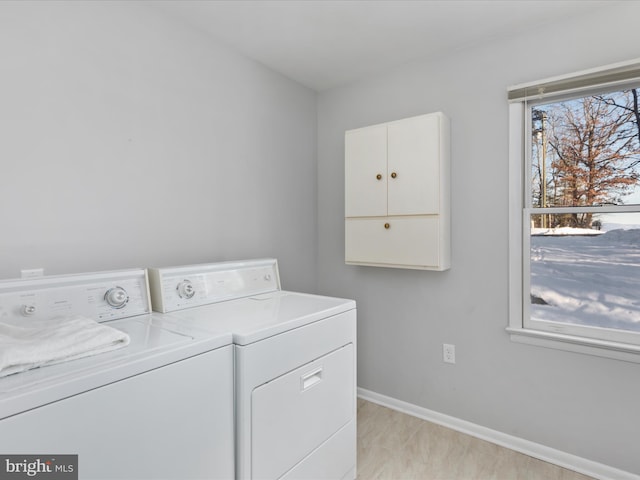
(28, 310)
(116, 297)
(186, 289)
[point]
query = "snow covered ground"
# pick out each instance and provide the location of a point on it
(587, 279)
(566, 231)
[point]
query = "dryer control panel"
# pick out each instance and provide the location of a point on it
(177, 288)
(100, 296)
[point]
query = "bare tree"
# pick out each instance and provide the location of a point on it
(630, 105)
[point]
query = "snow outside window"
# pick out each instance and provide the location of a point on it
(575, 213)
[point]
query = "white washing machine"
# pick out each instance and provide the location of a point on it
(159, 408)
(295, 357)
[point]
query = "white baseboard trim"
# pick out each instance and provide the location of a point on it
(536, 450)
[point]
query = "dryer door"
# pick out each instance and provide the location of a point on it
(294, 414)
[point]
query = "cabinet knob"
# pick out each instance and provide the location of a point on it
(394, 175)
(379, 177)
(386, 225)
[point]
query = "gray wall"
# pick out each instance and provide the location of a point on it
(580, 404)
(129, 139)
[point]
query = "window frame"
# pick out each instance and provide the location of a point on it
(617, 344)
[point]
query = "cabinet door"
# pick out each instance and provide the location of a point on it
(393, 241)
(366, 171)
(414, 165)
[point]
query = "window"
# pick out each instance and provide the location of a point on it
(575, 212)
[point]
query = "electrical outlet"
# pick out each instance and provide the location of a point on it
(448, 353)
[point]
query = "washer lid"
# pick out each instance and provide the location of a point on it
(154, 342)
(252, 319)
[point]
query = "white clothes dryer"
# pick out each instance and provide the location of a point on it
(295, 358)
(159, 408)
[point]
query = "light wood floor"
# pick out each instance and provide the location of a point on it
(395, 446)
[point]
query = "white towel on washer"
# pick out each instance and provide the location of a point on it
(35, 344)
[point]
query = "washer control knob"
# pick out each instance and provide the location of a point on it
(116, 297)
(186, 289)
(28, 310)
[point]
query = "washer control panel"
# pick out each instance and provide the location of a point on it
(100, 296)
(177, 288)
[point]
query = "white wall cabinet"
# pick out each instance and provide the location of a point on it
(397, 211)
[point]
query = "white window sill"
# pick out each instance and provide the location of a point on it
(588, 346)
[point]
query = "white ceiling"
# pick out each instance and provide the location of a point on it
(325, 43)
